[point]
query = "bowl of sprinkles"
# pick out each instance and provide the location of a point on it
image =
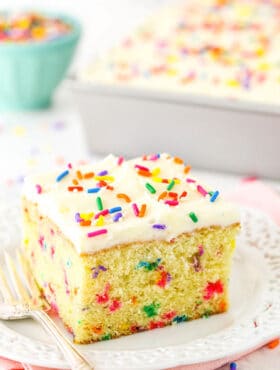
(36, 50)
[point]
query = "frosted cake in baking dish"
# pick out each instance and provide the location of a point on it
(219, 48)
(124, 246)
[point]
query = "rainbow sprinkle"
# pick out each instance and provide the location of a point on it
(171, 185)
(38, 188)
(159, 226)
(93, 190)
(62, 175)
(135, 209)
(233, 366)
(214, 196)
(99, 204)
(193, 217)
(115, 209)
(201, 190)
(117, 216)
(92, 234)
(151, 189)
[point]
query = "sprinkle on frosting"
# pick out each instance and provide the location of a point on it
(214, 196)
(151, 189)
(62, 175)
(97, 232)
(38, 188)
(116, 199)
(93, 190)
(193, 217)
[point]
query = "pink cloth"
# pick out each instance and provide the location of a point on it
(249, 193)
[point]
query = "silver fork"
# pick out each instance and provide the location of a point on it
(20, 302)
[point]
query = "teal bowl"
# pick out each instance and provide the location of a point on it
(30, 71)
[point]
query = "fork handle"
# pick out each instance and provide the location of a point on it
(74, 358)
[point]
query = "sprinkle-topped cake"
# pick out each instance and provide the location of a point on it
(121, 246)
(219, 48)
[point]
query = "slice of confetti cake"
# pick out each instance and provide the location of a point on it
(124, 246)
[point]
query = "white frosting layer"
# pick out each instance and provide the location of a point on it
(61, 205)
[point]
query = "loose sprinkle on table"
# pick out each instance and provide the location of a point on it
(214, 196)
(62, 175)
(97, 232)
(193, 217)
(233, 366)
(273, 344)
(151, 189)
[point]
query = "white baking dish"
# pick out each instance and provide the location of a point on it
(207, 132)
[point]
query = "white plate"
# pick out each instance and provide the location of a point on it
(254, 316)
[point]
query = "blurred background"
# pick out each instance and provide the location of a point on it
(221, 135)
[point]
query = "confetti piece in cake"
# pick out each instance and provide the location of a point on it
(164, 279)
(180, 318)
(115, 209)
(193, 217)
(168, 315)
(156, 324)
(117, 216)
(149, 266)
(142, 211)
(159, 226)
(171, 203)
(171, 185)
(135, 209)
(201, 190)
(233, 366)
(124, 197)
(106, 337)
(214, 196)
(151, 310)
(273, 344)
(97, 270)
(103, 297)
(93, 190)
(151, 189)
(207, 314)
(75, 188)
(213, 288)
(200, 250)
(99, 204)
(120, 160)
(92, 234)
(115, 305)
(62, 175)
(38, 188)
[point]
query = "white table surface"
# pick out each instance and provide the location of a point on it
(105, 21)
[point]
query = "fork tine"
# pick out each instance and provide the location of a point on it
(16, 280)
(30, 282)
(5, 289)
